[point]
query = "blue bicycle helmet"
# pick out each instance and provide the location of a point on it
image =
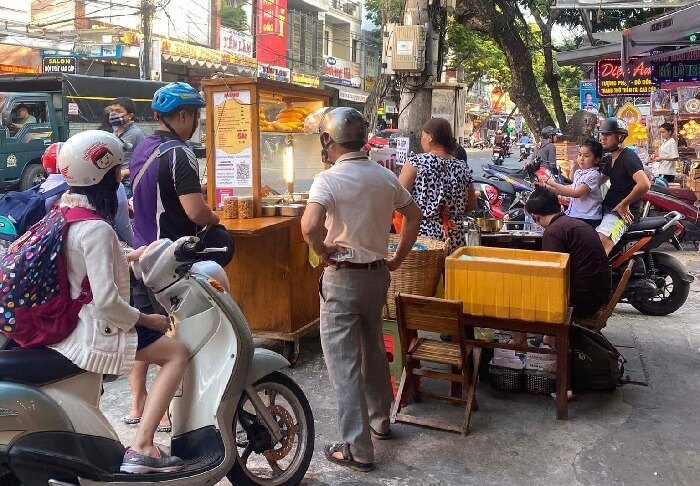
(176, 95)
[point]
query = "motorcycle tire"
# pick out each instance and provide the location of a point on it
(675, 292)
(296, 406)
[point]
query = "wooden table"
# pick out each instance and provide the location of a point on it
(561, 349)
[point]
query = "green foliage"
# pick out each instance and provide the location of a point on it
(233, 16)
(476, 56)
(381, 11)
(607, 20)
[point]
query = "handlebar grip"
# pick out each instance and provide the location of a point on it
(190, 250)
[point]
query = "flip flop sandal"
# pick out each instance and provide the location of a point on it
(132, 420)
(164, 428)
(347, 459)
(380, 435)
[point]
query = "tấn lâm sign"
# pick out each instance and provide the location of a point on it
(611, 81)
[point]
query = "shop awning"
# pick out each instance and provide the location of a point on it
(672, 30)
(668, 31)
(199, 63)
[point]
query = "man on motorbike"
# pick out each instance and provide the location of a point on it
(628, 183)
(547, 151)
(355, 199)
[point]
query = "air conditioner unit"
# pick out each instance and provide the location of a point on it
(387, 49)
(408, 55)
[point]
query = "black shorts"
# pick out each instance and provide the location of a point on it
(146, 337)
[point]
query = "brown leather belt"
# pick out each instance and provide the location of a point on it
(362, 266)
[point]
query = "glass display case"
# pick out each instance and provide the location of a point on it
(257, 146)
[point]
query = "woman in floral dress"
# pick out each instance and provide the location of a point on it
(440, 184)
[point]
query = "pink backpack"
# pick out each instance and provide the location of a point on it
(36, 308)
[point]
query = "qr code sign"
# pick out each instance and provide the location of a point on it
(243, 172)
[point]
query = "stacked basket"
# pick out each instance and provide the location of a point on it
(420, 272)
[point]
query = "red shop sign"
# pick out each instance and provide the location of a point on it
(611, 81)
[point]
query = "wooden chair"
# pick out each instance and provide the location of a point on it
(413, 314)
(598, 320)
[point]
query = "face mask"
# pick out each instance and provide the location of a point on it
(116, 120)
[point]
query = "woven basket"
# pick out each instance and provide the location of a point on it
(419, 274)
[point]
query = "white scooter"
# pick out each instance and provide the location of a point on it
(235, 414)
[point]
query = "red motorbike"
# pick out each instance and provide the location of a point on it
(660, 200)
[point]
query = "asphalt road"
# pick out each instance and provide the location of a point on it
(476, 158)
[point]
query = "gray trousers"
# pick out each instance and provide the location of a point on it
(353, 347)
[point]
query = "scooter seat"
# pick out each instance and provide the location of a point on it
(508, 170)
(35, 366)
(684, 194)
(502, 186)
(648, 223)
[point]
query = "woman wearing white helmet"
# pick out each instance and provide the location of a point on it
(111, 334)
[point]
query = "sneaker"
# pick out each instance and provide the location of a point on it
(139, 464)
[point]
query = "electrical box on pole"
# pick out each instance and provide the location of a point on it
(387, 49)
(408, 54)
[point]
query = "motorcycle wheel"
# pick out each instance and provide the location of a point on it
(285, 463)
(669, 277)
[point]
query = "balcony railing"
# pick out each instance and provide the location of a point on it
(348, 7)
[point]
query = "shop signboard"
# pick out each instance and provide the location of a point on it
(611, 81)
(98, 51)
(588, 96)
(59, 64)
(350, 96)
(235, 42)
(10, 69)
(676, 68)
(275, 73)
(306, 80)
(233, 143)
(340, 71)
(271, 38)
(370, 82)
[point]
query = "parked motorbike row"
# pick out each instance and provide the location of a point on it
(659, 285)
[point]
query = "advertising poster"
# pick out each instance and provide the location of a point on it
(271, 39)
(233, 139)
(589, 97)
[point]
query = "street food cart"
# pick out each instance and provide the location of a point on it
(261, 165)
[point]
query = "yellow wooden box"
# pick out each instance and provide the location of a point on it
(510, 284)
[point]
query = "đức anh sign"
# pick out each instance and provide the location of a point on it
(59, 64)
(611, 81)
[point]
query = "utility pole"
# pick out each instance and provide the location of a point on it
(147, 10)
(416, 95)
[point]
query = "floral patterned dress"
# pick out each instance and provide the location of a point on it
(440, 190)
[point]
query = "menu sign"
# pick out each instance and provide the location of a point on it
(233, 139)
(676, 68)
(611, 81)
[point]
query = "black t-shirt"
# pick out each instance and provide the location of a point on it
(587, 256)
(621, 180)
(548, 153)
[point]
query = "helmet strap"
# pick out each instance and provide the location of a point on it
(324, 151)
(165, 122)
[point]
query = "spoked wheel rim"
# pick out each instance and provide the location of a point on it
(279, 463)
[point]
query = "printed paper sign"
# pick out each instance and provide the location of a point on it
(401, 150)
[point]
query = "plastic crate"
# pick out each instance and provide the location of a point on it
(540, 382)
(507, 379)
(509, 284)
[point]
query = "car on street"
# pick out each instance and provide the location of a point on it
(385, 138)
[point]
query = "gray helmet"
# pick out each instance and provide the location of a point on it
(549, 132)
(614, 125)
(344, 125)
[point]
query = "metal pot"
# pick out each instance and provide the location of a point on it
(489, 225)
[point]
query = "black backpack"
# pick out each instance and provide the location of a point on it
(595, 363)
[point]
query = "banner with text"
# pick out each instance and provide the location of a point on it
(611, 81)
(271, 38)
